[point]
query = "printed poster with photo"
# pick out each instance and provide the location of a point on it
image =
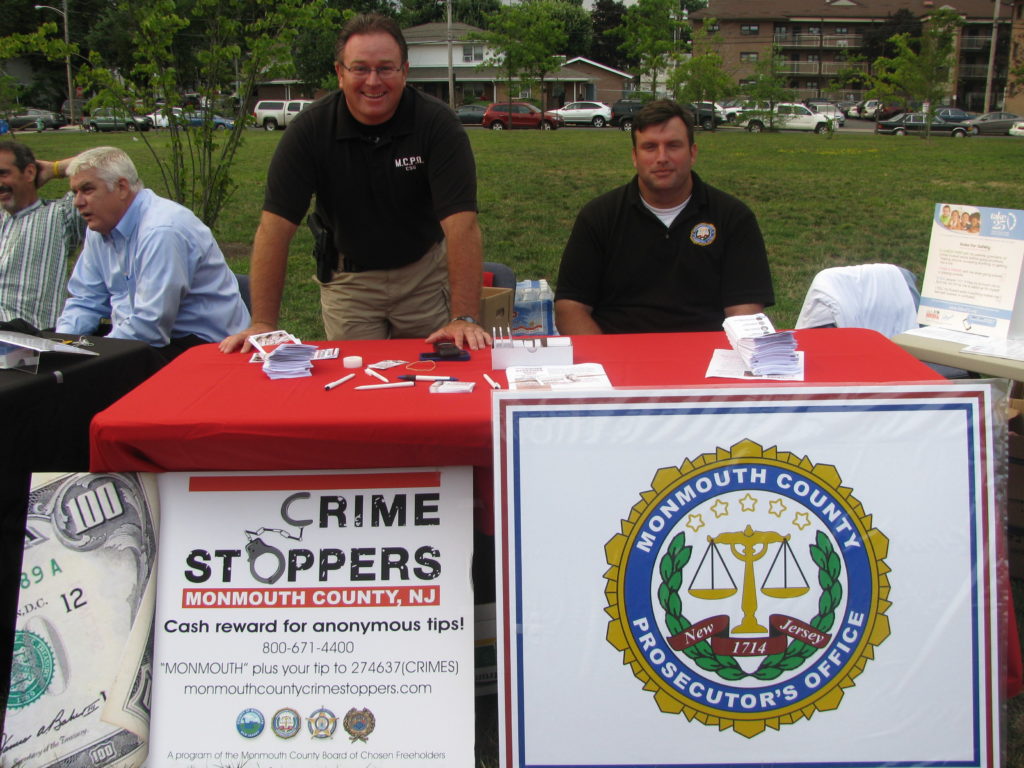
(314, 619)
(972, 281)
(748, 577)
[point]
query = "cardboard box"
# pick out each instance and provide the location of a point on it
(495, 308)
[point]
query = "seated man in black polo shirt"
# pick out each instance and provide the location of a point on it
(665, 252)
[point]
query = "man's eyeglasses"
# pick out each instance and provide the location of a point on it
(385, 72)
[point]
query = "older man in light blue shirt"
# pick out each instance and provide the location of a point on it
(149, 264)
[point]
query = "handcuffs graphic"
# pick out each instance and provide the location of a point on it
(256, 547)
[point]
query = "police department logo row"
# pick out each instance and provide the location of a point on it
(321, 723)
(747, 589)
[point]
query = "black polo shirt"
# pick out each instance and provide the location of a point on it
(643, 277)
(383, 189)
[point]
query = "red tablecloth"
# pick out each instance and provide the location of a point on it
(212, 411)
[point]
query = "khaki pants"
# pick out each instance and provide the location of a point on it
(405, 303)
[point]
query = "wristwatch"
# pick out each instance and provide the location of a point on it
(465, 319)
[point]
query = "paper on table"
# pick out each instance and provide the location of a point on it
(27, 341)
(942, 334)
(727, 364)
(557, 377)
(1008, 349)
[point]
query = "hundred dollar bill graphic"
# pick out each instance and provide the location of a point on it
(83, 648)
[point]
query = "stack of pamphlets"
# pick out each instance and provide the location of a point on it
(290, 361)
(289, 358)
(764, 351)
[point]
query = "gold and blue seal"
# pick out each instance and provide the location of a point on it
(747, 589)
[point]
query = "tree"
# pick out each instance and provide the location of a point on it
(767, 89)
(920, 69)
(877, 41)
(42, 43)
(851, 77)
(651, 35)
(231, 45)
(607, 21)
(576, 23)
(701, 77)
(472, 12)
(526, 40)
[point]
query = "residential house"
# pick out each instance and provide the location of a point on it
(476, 80)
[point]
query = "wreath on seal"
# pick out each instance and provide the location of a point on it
(671, 566)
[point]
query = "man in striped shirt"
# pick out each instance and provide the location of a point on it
(36, 238)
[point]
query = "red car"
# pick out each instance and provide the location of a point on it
(520, 114)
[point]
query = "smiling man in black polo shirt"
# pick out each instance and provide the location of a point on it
(665, 252)
(395, 185)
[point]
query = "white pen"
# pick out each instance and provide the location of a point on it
(427, 378)
(377, 375)
(492, 382)
(342, 380)
(389, 385)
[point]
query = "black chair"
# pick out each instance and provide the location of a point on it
(243, 288)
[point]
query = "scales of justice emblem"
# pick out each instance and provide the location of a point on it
(747, 589)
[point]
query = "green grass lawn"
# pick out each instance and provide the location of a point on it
(821, 201)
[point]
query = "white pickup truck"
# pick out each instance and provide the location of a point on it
(272, 114)
(788, 117)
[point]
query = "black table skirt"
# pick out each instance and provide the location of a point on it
(45, 428)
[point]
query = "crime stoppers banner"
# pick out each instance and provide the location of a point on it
(314, 619)
(748, 577)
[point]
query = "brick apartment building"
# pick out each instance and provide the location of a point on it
(818, 38)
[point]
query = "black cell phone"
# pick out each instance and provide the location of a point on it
(445, 350)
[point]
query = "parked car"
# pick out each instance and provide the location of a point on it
(195, 119)
(32, 118)
(1017, 129)
(520, 114)
(595, 113)
(914, 122)
(80, 110)
(790, 117)
(272, 114)
(848, 108)
(829, 110)
(707, 114)
(471, 114)
(162, 118)
(889, 111)
(954, 114)
(991, 124)
(623, 111)
(869, 108)
(115, 119)
(811, 103)
(733, 108)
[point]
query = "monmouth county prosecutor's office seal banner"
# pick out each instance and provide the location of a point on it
(314, 619)
(747, 577)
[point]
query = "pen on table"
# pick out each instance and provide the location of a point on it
(389, 385)
(427, 378)
(492, 382)
(376, 375)
(342, 380)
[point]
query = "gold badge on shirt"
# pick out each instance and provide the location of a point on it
(703, 233)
